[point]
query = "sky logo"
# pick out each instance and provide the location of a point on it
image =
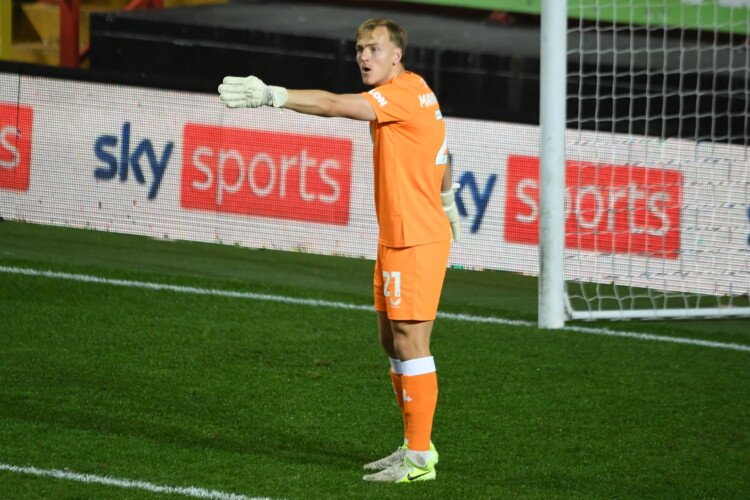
(116, 153)
(478, 195)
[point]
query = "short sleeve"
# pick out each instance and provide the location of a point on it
(390, 103)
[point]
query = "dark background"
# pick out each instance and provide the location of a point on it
(481, 64)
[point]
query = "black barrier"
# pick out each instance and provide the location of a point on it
(478, 69)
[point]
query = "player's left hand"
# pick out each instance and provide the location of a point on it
(250, 92)
(451, 211)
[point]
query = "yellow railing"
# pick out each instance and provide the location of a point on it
(6, 8)
(40, 42)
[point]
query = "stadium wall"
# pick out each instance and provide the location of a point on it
(178, 165)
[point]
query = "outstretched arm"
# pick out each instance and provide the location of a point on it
(322, 103)
(251, 92)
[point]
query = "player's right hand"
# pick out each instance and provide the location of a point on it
(250, 92)
(244, 92)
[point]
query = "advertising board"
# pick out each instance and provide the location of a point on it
(179, 165)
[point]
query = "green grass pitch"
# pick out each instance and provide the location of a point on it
(288, 401)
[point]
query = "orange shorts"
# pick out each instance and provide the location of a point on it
(407, 281)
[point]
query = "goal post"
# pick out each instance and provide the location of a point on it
(656, 168)
(552, 163)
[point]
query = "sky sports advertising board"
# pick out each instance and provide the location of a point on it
(180, 165)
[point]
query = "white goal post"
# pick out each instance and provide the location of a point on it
(645, 159)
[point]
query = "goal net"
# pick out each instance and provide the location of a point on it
(657, 164)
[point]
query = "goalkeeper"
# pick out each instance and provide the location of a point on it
(413, 196)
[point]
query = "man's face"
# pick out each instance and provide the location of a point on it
(377, 57)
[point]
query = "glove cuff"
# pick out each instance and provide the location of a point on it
(279, 96)
(448, 197)
(449, 206)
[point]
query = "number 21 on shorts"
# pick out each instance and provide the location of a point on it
(395, 277)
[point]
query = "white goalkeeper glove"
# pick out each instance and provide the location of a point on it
(451, 211)
(250, 92)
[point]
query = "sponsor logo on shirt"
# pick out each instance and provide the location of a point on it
(378, 97)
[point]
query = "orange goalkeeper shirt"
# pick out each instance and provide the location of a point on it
(410, 154)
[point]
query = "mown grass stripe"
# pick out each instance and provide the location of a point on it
(190, 491)
(342, 305)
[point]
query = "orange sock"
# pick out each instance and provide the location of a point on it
(420, 399)
(398, 389)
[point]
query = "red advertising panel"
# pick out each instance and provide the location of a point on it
(15, 146)
(272, 174)
(608, 208)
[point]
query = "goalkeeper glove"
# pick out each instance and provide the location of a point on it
(451, 211)
(250, 92)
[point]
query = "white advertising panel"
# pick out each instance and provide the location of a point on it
(180, 165)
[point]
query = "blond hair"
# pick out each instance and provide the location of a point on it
(396, 33)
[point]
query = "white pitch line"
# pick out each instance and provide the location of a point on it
(342, 305)
(190, 491)
(182, 289)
